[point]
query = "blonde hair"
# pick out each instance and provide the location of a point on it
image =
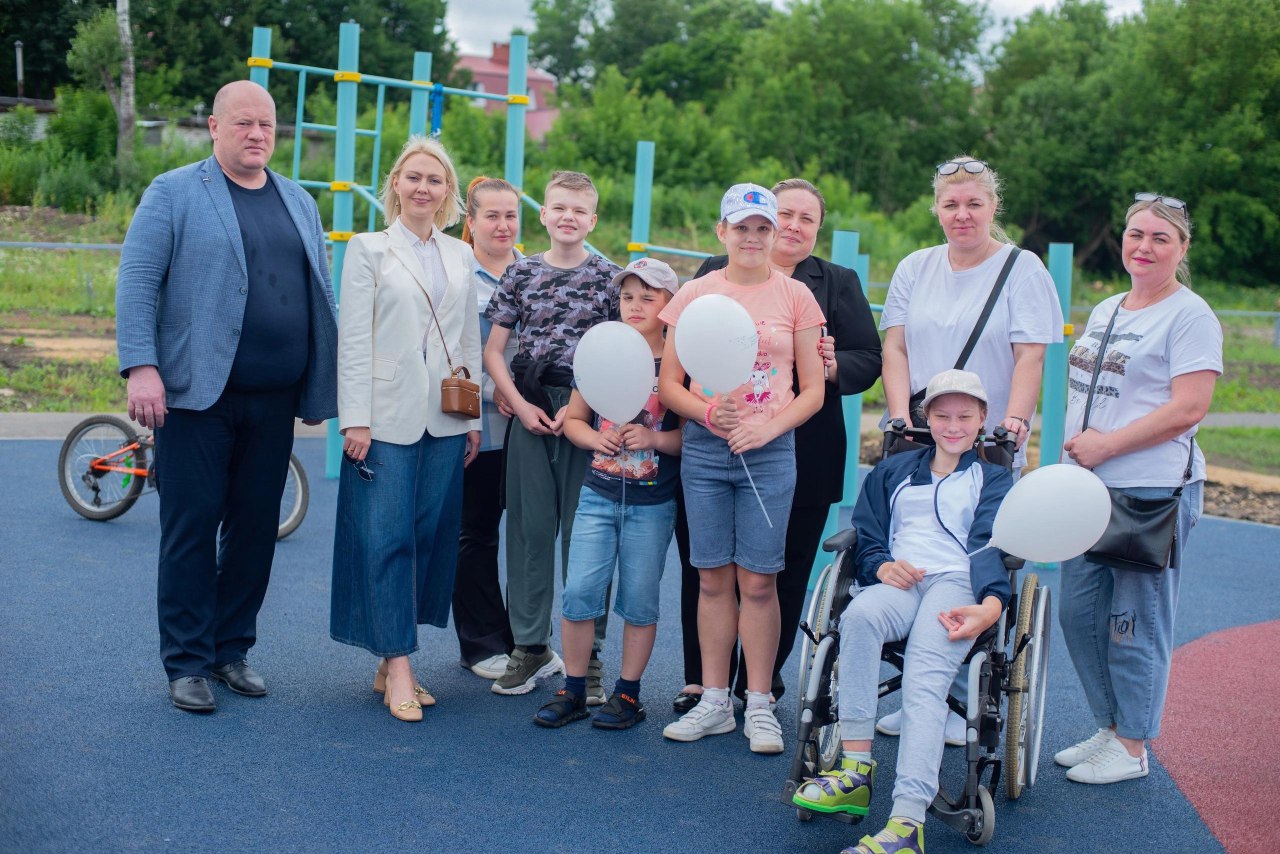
(574, 181)
(451, 211)
(1180, 219)
(987, 179)
(483, 184)
(802, 184)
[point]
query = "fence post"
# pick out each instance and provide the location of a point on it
(641, 200)
(1053, 405)
(517, 103)
(261, 50)
(418, 98)
(844, 251)
(344, 170)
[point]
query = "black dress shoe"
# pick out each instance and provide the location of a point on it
(192, 694)
(241, 678)
(684, 702)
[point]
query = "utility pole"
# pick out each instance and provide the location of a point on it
(17, 49)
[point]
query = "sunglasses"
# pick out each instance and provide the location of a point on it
(973, 167)
(361, 467)
(1167, 201)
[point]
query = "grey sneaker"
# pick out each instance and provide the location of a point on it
(524, 669)
(595, 676)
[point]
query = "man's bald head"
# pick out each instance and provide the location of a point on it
(243, 127)
(237, 90)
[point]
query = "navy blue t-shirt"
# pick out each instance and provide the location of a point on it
(274, 337)
(651, 477)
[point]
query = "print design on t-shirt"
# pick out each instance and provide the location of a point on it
(634, 465)
(762, 371)
(1083, 358)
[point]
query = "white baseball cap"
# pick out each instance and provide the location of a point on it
(743, 200)
(954, 382)
(651, 271)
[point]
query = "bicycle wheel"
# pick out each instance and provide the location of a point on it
(101, 468)
(297, 495)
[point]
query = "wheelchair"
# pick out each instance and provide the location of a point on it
(1007, 669)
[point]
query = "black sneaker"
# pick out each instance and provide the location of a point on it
(565, 708)
(620, 712)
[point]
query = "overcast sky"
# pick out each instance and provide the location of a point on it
(476, 23)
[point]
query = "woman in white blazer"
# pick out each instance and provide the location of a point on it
(400, 490)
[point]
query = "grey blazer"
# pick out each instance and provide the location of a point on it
(182, 285)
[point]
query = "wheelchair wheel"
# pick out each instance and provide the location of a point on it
(99, 465)
(297, 495)
(1028, 682)
(986, 829)
(818, 617)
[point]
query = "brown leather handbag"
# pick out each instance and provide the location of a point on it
(458, 394)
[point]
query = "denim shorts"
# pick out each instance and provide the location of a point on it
(633, 537)
(726, 524)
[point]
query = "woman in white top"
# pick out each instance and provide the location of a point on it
(408, 309)
(1163, 357)
(937, 295)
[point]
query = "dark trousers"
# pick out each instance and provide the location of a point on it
(220, 473)
(804, 530)
(479, 614)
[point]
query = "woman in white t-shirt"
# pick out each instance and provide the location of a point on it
(937, 295)
(1163, 357)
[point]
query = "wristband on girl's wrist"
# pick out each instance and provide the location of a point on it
(706, 419)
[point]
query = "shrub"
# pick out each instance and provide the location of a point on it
(70, 185)
(18, 126)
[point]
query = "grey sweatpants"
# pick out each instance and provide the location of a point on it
(883, 613)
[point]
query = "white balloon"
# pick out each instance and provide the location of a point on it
(613, 369)
(717, 343)
(1052, 514)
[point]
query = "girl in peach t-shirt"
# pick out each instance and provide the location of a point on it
(750, 428)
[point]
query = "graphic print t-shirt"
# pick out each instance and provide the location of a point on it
(1147, 349)
(780, 308)
(650, 477)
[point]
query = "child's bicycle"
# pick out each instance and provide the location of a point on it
(104, 467)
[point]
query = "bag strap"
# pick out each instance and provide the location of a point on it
(987, 309)
(452, 370)
(1093, 384)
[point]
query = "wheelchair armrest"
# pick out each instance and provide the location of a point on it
(841, 542)
(1011, 563)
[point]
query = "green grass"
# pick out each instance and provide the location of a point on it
(1254, 449)
(57, 386)
(58, 281)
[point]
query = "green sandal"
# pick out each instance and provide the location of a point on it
(844, 790)
(900, 836)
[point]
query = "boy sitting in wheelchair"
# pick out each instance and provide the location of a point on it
(919, 517)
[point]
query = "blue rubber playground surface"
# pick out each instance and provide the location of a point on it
(94, 756)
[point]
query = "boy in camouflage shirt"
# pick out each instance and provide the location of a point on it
(552, 298)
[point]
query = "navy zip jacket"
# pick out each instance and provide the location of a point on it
(872, 514)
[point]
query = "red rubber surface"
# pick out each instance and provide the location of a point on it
(1220, 740)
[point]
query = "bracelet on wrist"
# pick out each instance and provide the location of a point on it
(706, 419)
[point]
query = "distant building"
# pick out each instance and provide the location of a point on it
(489, 74)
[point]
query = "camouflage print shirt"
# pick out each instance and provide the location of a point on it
(552, 307)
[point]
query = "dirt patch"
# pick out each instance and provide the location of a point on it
(73, 338)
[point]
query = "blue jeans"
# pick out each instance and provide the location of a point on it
(725, 522)
(633, 537)
(395, 547)
(1118, 626)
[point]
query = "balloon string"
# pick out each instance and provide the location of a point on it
(752, 481)
(983, 549)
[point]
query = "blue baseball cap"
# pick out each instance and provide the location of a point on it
(743, 200)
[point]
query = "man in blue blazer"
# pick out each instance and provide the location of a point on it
(226, 330)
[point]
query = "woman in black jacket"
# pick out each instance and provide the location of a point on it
(851, 350)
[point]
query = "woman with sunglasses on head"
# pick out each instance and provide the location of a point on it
(1132, 419)
(851, 360)
(936, 303)
(408, 318)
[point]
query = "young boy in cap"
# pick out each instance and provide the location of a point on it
(626, 516)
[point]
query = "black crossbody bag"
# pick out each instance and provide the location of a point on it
(1142, 531)
(914, 407)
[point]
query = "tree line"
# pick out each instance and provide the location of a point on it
(1076, 110)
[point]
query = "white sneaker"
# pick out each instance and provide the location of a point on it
(1077, 753)
(706, 718)
(953, 733)
(1111, 764)
(762, 728)
(492, 667)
